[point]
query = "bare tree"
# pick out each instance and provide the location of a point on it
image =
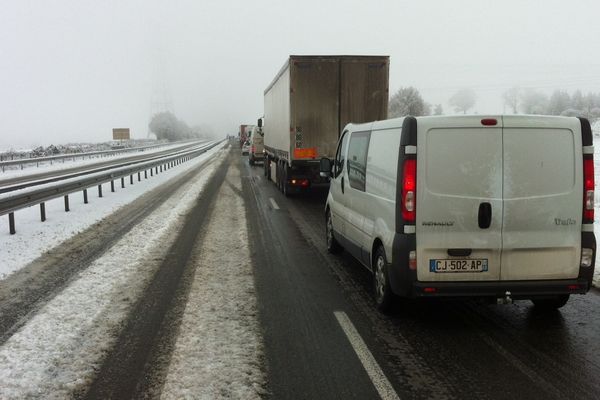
(511, 98)
(534, 102)
(559, 102)
(438, 110)
(463, 100)
(407, 101)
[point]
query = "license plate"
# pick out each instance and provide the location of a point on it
(456, 265)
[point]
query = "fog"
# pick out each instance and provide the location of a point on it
(70, 71)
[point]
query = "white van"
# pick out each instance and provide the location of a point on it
(499, 207)
(257, 147)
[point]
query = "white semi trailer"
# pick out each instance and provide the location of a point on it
(307, 105)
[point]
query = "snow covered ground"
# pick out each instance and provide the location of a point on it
(32, 169)
(33, 237)
(219, 349)
(58, 351)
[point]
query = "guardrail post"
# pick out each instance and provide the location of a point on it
(123, 182)
(43, 211)
(11, 223)
(131, 179)
(151, 171)
(112, 186)
(85, 198)
(161, 168)
(139, 176)
(100, 190)
(156, 170)
(67, 209)
(145, 174)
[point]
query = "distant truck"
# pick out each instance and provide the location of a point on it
(308, 103)
(243, 134)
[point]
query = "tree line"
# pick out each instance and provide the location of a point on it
(408, 101)
(165, 125)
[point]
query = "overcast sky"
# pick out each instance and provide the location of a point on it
(70, 71)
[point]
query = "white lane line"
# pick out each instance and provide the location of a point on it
(383, 386)
(275, 206)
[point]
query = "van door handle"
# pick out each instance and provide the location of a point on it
(459, 252)
(485, 215)
(342, 184)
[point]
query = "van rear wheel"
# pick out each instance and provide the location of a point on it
(333, 246)
(384, 297)
(551, 303)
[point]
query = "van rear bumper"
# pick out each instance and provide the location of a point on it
(516, 289)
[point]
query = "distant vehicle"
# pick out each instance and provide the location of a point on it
(243, 134)
(495, 207)
(256, 151)
(306, 106)
(246, 148)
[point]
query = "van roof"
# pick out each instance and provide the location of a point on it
(453, 120)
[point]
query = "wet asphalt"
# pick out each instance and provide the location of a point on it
(427, 349)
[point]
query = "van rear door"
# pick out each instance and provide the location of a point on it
(459, 199)
(543, 180)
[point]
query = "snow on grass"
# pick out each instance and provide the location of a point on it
(33, 237)
(78, 161)
(219, 350)
(56, 354)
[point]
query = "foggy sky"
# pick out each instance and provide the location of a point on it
(70, 71)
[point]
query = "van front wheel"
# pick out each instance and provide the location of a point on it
(332, 245)
(381, 281)
(552, 303)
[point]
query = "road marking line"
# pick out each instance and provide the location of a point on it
(275, 206)
(383, 386)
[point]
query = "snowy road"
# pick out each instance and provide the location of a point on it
(212, 284)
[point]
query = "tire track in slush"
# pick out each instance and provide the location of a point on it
(137, 364)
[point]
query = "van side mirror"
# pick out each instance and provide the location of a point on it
(259, 122)
(325, 167)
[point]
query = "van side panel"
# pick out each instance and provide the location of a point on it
(543, 198)
(382, 164)
(459, 172)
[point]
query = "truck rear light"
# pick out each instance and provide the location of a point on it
(588, 188)
(489, 121)
(300, 182)
(586, 257)
(412, 260)
(573, 287)
(409, 187)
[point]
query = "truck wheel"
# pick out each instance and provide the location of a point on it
(278, 175)
(381, 281)
(284, 184)
(552, 303)
(266, 166)
(333, 246)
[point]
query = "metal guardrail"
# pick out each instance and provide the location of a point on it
(27, 198)
(37, 160)
(115, 164)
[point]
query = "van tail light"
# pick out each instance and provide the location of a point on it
(588, 188)
(409, 190)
